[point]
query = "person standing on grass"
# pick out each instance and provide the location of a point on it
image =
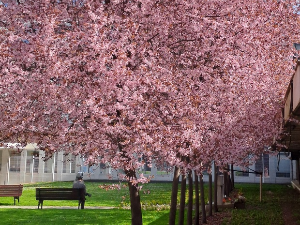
(78, 183)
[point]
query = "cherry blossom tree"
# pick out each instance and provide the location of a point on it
(117, 81)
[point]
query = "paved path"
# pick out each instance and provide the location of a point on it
(52, 207)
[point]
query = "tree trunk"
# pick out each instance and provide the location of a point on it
(135, 201)
(232, 177)
(210, 194)
(182, 199)
(215, 188)
(229, 180)
(173, 207)
(190, 204)
(197, 201)
(202, 200)
(225, 182)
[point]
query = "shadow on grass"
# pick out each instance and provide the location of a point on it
(66, 216)
(9, 203)
(74, 216)
(162, 220)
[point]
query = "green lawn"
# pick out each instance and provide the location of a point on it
(155, 198)
(151, 195)
(269, 210)
(71, 216)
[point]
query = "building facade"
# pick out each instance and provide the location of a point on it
(29, 166)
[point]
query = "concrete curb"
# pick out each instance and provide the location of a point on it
(295, 184)
(53, 207)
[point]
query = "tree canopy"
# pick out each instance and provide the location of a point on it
(121, 80)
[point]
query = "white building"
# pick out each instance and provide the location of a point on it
(276, 169)
(28, 166)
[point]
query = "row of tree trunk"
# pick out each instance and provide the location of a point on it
(199, 196)
(136, 212)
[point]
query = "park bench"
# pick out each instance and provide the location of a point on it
(60, 194)
(11, 191)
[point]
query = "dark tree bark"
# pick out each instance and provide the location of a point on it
(135, 201)
(202, 200)
(190, 203)
(210, 194)
(226, 183)
(215, 188)
(182, 199)
(297, 170)
(197, 200)
(173, 207)
(232, 177)
(229, 180)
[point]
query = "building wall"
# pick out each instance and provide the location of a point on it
(28, 166)
(271, 174)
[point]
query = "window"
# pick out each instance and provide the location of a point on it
(83, 167)
(55, 162)
(32, 162)
(28, 163)
(36, 163)
(65, 163)
(262, 165)
(103, 168)
(241, 172)
(48, 165)
(73, 163)
(69, 162)
(15, 161)
(283, 166)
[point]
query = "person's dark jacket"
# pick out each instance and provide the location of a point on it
(79, 184)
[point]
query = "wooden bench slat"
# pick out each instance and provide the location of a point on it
(10, 194)
(11, 191)
(60, 194)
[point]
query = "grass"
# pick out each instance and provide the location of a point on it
(155, 199)
(71, 216)
(269, 210)
(151, 194)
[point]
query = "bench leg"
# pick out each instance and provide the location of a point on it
(40, 204)
(15, 200)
